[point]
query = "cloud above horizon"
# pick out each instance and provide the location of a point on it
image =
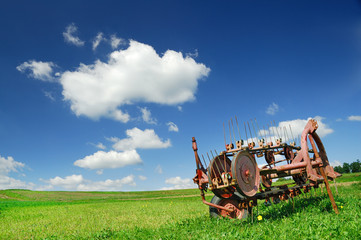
(136, 74)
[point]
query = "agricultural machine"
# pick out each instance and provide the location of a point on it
(238, 182)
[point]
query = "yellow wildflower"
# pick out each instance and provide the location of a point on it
(259, 217)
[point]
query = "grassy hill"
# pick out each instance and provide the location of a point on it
(176, 214)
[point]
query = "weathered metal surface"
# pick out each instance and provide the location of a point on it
(236, 182)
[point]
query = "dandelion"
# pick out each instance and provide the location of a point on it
(341, 206)
(259, 217)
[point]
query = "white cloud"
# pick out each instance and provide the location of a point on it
(101, 146)
(70, 35)
(146, 116)
(77, 182)
(180, 108)
(38, 70)
(49, 95)
(136, 74)
(335, 163)
(354, 118)
(297, 126)
(111, 159)
(143, 178)
(68, 182)
(194, 54)
(115, 41)
(272, 109)
(158, 169)
(97, 40)
(9, 165)
(140, 139)
(172, 127)
(100, 171)
(179, 183)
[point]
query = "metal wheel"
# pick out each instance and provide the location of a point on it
(322, 153)
(229, 203)
(289, 154)
(245, 171)
(300, 178)
(218, 166)
(266, 180)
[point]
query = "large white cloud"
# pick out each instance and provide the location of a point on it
(111, 159)
(138, 138)
(77, 182)
(38, 70)
(136, 74)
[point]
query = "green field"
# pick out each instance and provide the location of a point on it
(177, 214)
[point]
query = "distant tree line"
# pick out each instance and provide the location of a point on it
(349, 167)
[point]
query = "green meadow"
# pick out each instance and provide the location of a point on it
(177, 214)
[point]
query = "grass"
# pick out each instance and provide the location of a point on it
(113, 215)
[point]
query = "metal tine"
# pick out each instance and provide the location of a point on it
(250, 132)
(286, 133)
(254, 129)
(224, 132)
(219, 172)
(205, 164)
(276, 129)
(259, 130)
(239, 132)
(269, 129)
(245, 129)
(230, 132)
(209, 165)
(274, 132)
(234, 134)
(294, 140)
(265, 133)
(224, 167)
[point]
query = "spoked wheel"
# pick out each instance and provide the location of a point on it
(231, 204)
(218, 166)
(245, 171)
(289, 154)
(266, 179)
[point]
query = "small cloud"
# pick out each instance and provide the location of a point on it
(143, 178)
(70, 35)
(335, 163)
(115, 42)
(354, 118)
(97, 40)
(101, 146)
(179, 183)
(146, 116)
(159, 169)
(111, 159)
(137, 138)
(49, 95)
(180, 108)
(272, 109)
(339, 120)
(100, 172)
(193, 55)
(172, 127)
(38, 70)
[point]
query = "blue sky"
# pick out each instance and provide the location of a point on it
(107, 96)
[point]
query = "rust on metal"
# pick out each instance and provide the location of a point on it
(235, 177)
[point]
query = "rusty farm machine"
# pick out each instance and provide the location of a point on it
(238, 182)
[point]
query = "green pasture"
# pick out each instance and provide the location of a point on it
(177, 214)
